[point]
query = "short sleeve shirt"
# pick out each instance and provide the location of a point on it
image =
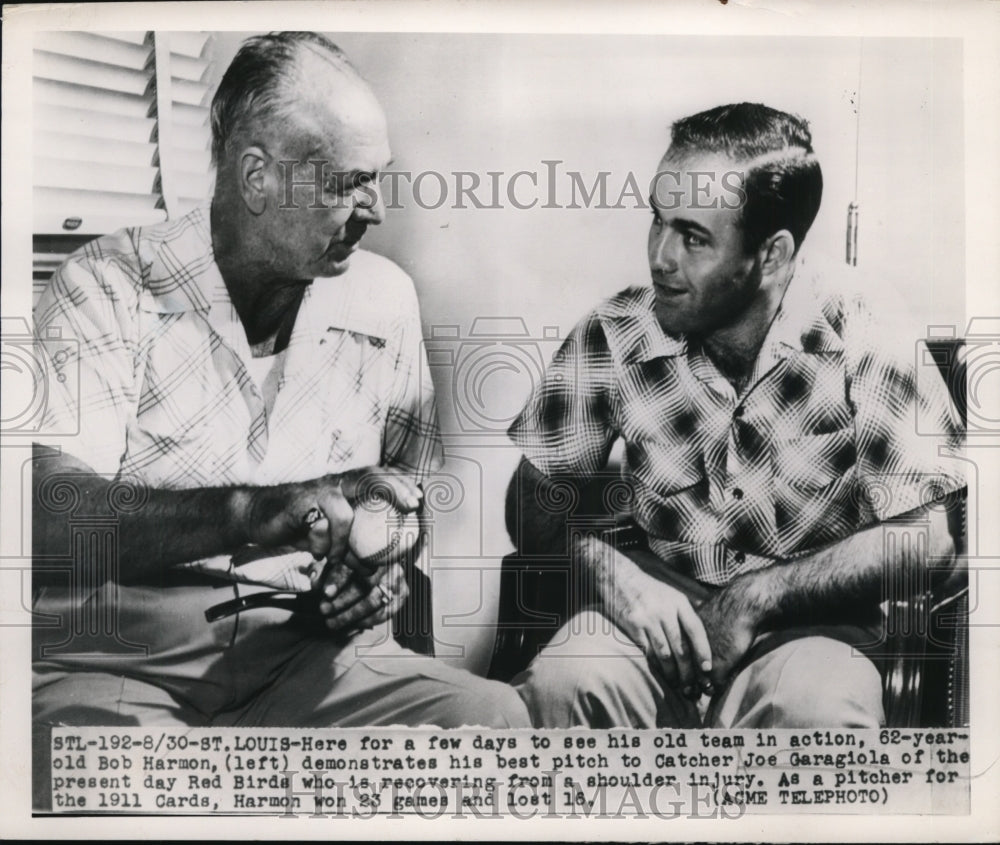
(841, 424)
(146, 364)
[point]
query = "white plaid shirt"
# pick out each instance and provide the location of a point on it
(146, 356)
(833, 432)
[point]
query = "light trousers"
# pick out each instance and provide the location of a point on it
(166, 666)
(593, 675)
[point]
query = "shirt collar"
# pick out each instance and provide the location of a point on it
(803, 322)
(182, 277)
(632, 330)
(181, 273)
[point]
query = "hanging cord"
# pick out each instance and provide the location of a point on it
(852, 208)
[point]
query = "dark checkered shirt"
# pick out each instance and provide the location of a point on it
(842, 423)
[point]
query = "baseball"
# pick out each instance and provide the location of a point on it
(381, 533)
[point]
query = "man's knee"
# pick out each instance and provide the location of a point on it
(808, 683)
(487, 704)
(590, 674)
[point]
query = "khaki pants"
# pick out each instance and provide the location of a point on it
(593, 675)
(167, 666)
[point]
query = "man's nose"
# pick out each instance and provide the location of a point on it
(663, 251)
(368, 204)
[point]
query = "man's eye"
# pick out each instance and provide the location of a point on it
(339, 184)
(694, 241)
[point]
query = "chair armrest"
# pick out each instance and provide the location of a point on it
(413, 624)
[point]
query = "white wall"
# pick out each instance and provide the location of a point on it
(506, 103)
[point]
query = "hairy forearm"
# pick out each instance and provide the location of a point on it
(155, 528)
(609, 577)
(845, 579)
(158, 528)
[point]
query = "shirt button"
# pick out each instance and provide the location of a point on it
(737, 493)
(738, 412)
(739, 557)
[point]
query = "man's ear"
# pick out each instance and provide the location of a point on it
(252, 161)
(777, 251)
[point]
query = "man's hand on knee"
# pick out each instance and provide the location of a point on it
(663, 623)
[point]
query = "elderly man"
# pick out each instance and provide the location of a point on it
(244, 367)
(762, 397)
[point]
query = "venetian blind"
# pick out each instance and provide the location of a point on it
(121, 135)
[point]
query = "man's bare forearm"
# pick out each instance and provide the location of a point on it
(657, 617)
(842, 582)
(843, 579)
(157, 528)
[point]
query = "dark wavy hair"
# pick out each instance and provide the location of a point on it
(783, 181)
(261, 82)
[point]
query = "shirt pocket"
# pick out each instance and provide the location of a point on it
(814, 461)
(671, 487)
(814, 489)
(663, 468)
(357, 388)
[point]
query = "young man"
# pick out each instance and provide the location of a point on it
(763, 398)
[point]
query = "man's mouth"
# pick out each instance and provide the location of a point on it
(668, 290)
(352, 237)
(345, 247)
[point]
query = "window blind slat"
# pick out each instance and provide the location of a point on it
(127, 37)
(194, 139)
(193, 161)
(93, 74)
(81, 148)
(190, 44)
(94, 222)
(188, 93)
(70, 202)
(46, 262)
(65, 94)
(86, 122)
(111, 178)
(185, 115)
(184, 67)
(96, 48)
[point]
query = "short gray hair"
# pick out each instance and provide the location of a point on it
(260, 83)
